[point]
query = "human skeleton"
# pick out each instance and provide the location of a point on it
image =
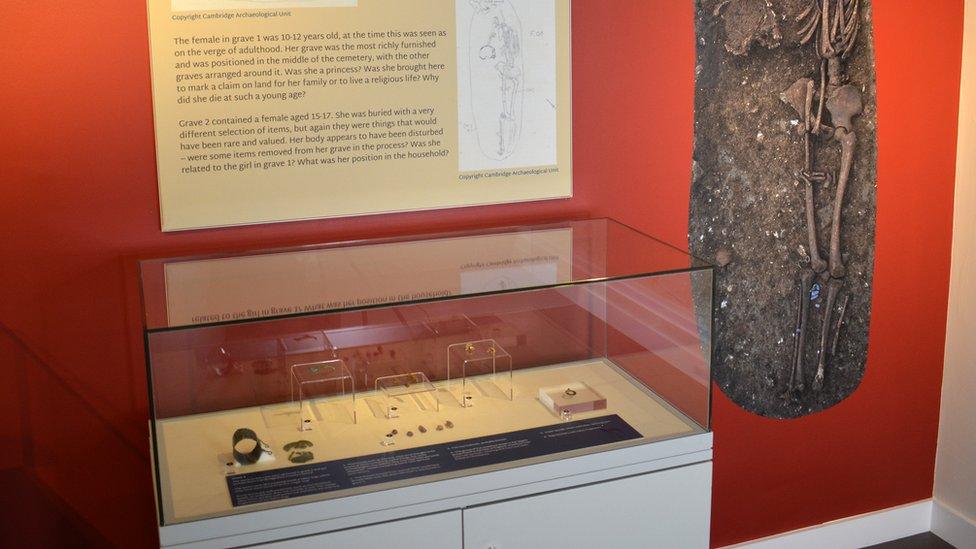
(832, 26)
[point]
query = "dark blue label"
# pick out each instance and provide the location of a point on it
(318, 478)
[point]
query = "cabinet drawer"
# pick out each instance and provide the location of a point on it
(666, 509)
(440, 531)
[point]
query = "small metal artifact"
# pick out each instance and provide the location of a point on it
(298, 451)
(300, 457)
(298, 445)
(251, 456)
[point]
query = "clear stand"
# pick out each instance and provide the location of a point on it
(484, 367)
(571, 398)
(415, 385)
(318, 379)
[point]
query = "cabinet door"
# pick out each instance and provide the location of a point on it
(665, 509)
(440, 531)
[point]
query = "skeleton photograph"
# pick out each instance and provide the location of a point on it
(783, 197)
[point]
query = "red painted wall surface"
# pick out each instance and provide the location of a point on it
(877, 449)
(78, 202)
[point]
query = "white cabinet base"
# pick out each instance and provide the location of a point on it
(646, 495)
(666, 509)
(662, 510)
(440, 531)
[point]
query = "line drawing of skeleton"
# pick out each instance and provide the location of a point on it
(501, 50)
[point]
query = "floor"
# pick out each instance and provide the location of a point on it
(33, 517)
(927, 540)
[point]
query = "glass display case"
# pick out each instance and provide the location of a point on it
(290, 376)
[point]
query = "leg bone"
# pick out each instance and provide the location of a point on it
(832, 288)
(847, 140)
(844, 104)
(796, 376)
(840, 322)
(816, 260)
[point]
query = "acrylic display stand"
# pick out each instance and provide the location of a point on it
(484, 369)
(397, 387)
(327, 377)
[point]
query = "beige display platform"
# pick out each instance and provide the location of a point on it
(193, 450)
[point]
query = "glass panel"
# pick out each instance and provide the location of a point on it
(207, 290)
(376, 396)
(659, 332)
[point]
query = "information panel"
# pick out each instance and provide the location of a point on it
(318, 478)
(277, 110)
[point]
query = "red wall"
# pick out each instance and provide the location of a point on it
(877, 449)
(79, 201)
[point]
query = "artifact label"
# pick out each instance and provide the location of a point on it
(277, 110)
(318, 478)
